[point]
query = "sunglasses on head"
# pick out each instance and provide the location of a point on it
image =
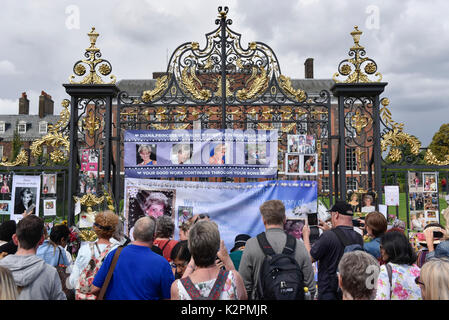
(202, 216)
(418, 281)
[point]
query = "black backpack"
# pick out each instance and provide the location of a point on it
(280, 276)
(347, 244)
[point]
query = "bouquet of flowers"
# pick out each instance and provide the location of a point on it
(391, 219)
(74, 241)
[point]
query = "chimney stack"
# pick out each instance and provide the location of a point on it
(308, 68)
(46, 105)
(158, 74)
(24, 104)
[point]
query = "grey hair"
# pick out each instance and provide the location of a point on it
(359, 272)
(144, 229)
(119, 232)
(204, 242)
(165, 227)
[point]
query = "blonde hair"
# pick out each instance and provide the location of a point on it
(435, 276)
(8, 288)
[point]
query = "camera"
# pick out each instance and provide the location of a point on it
(314, 234)
(357, 223)
(312, 219)
(437, 234)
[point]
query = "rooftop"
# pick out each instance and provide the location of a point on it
(32, 125)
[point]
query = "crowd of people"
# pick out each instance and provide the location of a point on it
(273, 265)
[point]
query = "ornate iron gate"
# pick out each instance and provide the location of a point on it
(224, 85)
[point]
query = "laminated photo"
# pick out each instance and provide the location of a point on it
(25, 196)
(309, 164)
(5, 207)
(6, 183)
(415, 182)
(49, 207)
(49, 183)
(292, 164)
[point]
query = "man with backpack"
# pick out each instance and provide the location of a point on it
(275, 265)
(331, 246)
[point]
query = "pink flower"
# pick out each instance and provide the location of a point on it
(414, 271)
(400, 292)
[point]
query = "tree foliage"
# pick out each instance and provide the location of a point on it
(440, 142)
(16, 144)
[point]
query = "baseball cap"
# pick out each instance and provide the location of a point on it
(342, 207)
(240, 241)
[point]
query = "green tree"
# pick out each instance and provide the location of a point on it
(440, 142)
(16, 144)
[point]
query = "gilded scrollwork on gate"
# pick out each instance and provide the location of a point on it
(286, 85)
(21, 159)
(394, 139)
(93, 69)
(56, 138)
(161, 86)
(358, 69)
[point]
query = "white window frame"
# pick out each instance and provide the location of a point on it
(325, 159)
(19, 125)
(351, 159)
(2, 126)
(325, 183)
(41, 123)
(351, 183)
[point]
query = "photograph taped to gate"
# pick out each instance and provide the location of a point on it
(292, 164)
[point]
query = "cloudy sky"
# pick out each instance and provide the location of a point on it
(409, 40)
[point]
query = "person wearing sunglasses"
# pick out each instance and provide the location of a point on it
(180, 256)
(434, 279)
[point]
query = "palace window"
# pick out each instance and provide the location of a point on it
(325, 183)
(351, 160)
(324, 159)
(351, 183)
(43, 127)
(22, 127)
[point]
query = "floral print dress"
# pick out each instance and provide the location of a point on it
(229, 291)
(403, 283)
